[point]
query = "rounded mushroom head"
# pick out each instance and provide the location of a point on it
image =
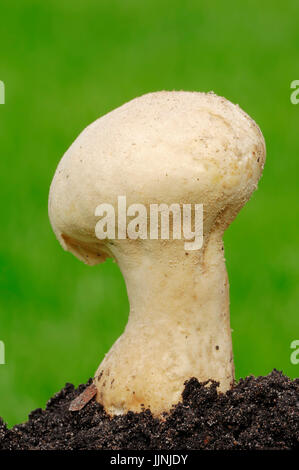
(163, 147)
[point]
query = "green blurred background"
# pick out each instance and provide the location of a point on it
(64, 64)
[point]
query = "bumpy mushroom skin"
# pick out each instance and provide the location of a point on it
(164, 147)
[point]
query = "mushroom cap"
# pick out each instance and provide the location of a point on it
(163, 147)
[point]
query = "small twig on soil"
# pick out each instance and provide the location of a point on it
(83, 398)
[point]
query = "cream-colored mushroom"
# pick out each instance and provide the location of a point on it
(164, 147)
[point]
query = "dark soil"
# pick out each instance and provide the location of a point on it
(258, 413)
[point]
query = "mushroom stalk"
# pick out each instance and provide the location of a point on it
(178, 327)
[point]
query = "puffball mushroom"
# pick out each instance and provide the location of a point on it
(165, 147)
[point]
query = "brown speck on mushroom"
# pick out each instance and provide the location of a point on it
(100, 376)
